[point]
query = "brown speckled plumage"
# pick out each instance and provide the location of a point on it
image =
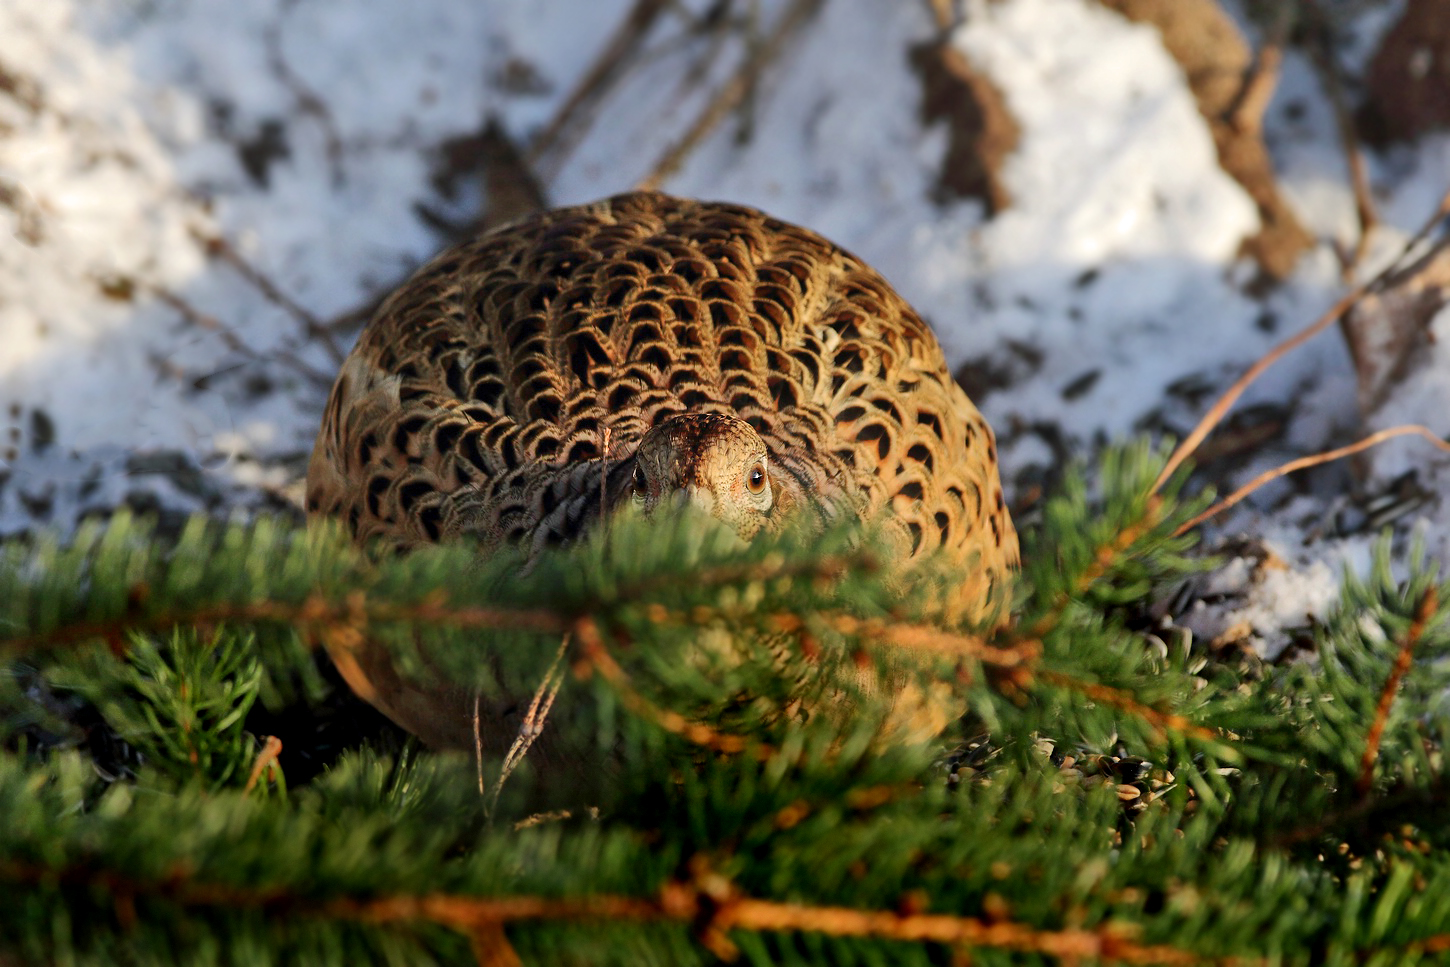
(474, 403)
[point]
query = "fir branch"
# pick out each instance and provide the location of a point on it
(1424, 612)
(1161, 722)
(596, 658)
(346, 616)
(1314, 460)
(708, 902)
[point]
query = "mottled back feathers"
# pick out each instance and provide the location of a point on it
(476, 401)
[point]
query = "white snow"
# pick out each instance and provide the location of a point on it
(1114, 274)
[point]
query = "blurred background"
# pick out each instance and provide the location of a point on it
(1107, 209)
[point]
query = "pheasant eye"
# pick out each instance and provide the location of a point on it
(755, 480)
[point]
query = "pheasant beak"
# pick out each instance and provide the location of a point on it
(694, 495)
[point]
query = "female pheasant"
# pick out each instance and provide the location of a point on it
(738, 363)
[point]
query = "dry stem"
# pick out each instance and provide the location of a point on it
(733, 92)
(533, 724)
(1312, 461)
(1221, 407)
(231, 340)
(1364, 206)
(218, 246)
(607, 70)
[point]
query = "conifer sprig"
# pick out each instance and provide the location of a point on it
(747, 805)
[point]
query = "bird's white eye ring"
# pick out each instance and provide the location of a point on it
(755, 479)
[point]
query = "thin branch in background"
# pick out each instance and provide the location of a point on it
(575, 114)
(1321, 49)
(1220, 408)
(1224, 403)
(734, 92)
(1424, 611)
(1314, 460)
(219, 247)
(234, 342)
(308, 101)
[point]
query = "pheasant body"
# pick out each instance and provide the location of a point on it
(478, 401)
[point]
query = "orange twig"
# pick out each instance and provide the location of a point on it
(709, 901)
(1424, 611)
(917, 638)
(1216, 413)
(597, 658)
(1103, 559)
(1312, 461)
(267, 757)
(491, 947)
(725, 910)
(1117, 698)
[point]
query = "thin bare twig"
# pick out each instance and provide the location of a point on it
(1216, 413)
(309, 102)
(1220, 408)
(607, 70)
(219, 247)
(1314, 460)
(1424, 611)
(234, 342)
(734, 92)
(478, 743)
(533, 724)
(1364, 207)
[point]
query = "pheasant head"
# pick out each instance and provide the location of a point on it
(712, 462)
